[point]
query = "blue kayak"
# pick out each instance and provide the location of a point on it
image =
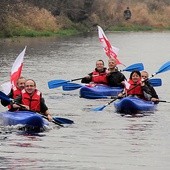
(30, 120)
(99, 91)
(134, 105)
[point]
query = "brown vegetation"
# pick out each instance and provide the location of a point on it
(19, 16)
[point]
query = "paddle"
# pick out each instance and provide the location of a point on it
(137, 66)
(163, 68)
(155, 82)
(73, 86)
(163, 101)
(45, 117)
(57, 83)
(56, 120)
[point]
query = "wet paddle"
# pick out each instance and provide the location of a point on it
(57, 83)
(56, 120)
(165, 67)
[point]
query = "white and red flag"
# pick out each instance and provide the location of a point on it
(17, 68)
(15, 73)
(110, 51)
(127, 84)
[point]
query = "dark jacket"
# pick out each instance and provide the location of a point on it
(148, 88)
(115, 78)
(127, 14)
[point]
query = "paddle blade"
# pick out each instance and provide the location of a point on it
(137, 66)
(102, 107)
(56, 83)
(63, 120)
(165, 67)
(57, 123)
(155, 82)
(71, 86)
(99, 108)
(3, 96)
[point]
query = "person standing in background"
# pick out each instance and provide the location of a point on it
(127, 14)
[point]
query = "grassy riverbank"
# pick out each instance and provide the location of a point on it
(23, 18)
(34, 33)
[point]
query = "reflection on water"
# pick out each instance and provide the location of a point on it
(98, 140)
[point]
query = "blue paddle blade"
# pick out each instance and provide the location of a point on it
(56, 83)
(71, 86)
(63, 120)
(137, 66)
(155, 82)
(3, 96)
(99, 108)
(164, 68)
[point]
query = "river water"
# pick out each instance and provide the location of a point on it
(98, 140)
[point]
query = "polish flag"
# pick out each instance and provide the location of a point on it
(110, 51)
(127, 85)
(17, 68)
(15, 73)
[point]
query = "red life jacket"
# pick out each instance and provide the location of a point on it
(99, 78)
(136, 91)
(15, 92)
(32, 101)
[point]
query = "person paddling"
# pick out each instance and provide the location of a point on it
(149, 88)
(98, 76)
(31, 99)
(15, 92)
(114, 77)
(137, 87)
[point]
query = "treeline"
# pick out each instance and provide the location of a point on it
(44, 17)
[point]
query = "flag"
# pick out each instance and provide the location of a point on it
(15, 73)
(127, 85)
(110, 51)
(17, 68)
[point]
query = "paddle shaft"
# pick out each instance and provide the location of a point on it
(137, 66)
(122, 94)
(76, 79)
(45, 117)
(163, 101)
